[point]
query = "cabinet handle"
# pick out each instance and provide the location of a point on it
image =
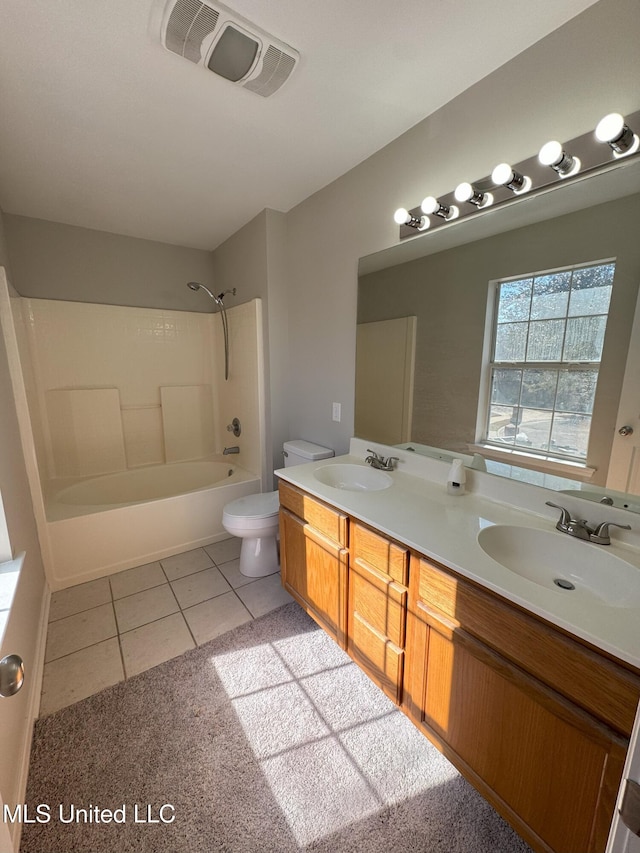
(630, 807)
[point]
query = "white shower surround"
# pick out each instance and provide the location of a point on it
(85, 541)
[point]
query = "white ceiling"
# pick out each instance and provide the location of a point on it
(102, 127)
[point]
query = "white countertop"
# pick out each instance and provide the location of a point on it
(419, 513)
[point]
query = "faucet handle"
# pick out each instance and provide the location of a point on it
(600, 534)
(565, 518)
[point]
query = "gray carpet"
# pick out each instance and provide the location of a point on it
(266, 739)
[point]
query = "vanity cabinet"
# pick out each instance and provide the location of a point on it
(536, 721)
(377, 607)
(314, 558)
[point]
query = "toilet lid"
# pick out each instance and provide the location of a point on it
(254, 506)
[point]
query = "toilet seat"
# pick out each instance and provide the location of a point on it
(253, 510)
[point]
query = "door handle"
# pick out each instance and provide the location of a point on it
(625, 430)
(11, 675)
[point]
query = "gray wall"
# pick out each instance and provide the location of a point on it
(448, 293)
(506, 116)
(252, 260)
(559, 88)
(54, 261)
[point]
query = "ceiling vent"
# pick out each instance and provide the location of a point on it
(218, 40)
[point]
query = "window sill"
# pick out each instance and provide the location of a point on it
(538, 462)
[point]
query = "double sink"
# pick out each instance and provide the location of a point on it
(581, 570)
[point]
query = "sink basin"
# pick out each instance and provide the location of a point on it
(353, 478)
(569, 566)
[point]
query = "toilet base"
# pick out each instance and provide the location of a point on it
(259, 556)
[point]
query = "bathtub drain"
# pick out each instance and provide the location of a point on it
(563, 584)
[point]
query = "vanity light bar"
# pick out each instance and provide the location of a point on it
(613, 139)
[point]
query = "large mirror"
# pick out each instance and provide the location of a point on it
(425, 329)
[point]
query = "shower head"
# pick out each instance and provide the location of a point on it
(194, 285)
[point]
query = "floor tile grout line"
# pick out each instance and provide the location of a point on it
(113, 599)
(186, 621)
(153, 586)
(180, 609)
(124, 669)
(242, 602)
(78, 612)
(83, 648)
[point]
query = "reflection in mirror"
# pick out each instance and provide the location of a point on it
(538, 382)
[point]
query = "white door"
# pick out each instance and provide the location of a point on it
(621, 839)
(5, 839)
(624, 467)
(385, 359)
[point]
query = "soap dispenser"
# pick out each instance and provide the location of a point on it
(457, 478)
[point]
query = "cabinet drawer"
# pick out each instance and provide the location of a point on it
(323, 518)
(595, 683)
(381, 659)
(380, 552)
(379, 601)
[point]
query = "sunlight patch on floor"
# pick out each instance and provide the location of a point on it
(332, 747)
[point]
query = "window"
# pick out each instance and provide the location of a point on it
(548, 334)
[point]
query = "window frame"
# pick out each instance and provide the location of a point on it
(551, 460)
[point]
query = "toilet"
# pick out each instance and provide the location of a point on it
(254, 519)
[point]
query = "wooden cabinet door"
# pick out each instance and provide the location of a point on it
(378, 574)
(314, 572)
(551, 769)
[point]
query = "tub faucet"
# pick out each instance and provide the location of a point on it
(229, 450)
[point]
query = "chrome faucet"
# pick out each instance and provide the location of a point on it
(379, 462)
(581, 529)
(229, 450)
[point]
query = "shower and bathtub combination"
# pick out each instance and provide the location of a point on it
(124, 415)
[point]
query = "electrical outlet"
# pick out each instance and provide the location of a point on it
(337, 412)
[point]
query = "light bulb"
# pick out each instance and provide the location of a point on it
(431, 205)
(464, 191)
(506, 176)
(553, 154)
(613, 130)
(403, 217)
(467, 192)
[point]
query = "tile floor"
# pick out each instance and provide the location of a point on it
(112, 628)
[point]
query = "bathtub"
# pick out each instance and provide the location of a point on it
(105, 524)
(152, 483)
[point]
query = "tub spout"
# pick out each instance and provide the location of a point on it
(229, 450)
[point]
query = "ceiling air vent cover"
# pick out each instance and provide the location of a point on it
(218, 40)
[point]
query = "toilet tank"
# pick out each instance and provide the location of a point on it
(298, 452)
